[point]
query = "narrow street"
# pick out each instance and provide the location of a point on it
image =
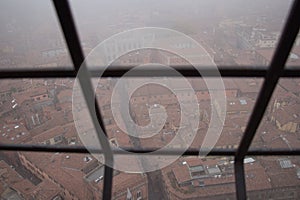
(12, 159)
(156, 189)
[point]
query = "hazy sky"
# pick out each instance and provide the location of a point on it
(21, 19)
(41, 10)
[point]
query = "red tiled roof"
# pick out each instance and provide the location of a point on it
(181, 173)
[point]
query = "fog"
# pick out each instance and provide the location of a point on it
(30, 14)
(31, 26)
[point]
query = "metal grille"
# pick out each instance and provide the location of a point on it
(270, 74)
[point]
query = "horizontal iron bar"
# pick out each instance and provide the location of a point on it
(191, 152)
(118, 71)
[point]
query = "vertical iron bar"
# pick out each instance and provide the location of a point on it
(68, 26)
(277, 65)
(240, 179)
